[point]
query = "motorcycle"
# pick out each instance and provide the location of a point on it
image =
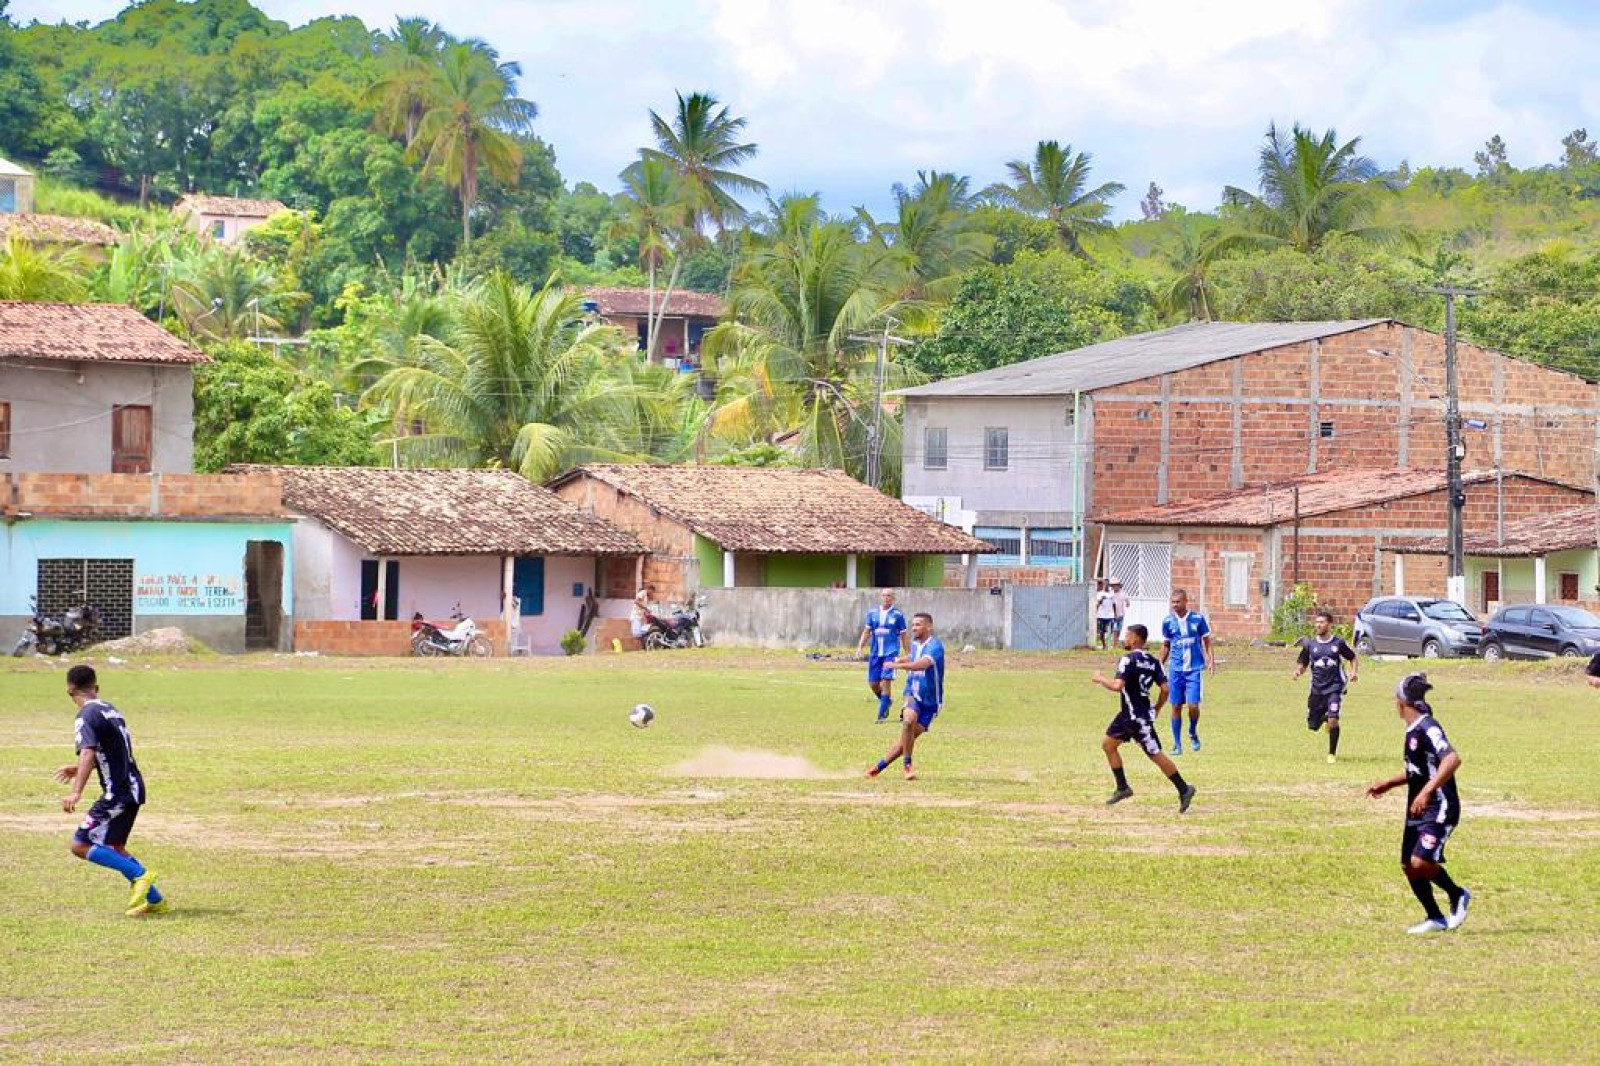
(680, 629)
(76, 627)
(462, 638)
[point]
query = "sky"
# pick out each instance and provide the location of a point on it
(847, 97)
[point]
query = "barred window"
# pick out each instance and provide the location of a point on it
(935, 448)
(1007, 542)
(996, 448)
(1051, 547)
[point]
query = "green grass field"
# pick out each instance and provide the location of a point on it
(482, 862)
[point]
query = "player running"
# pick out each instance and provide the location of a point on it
(1137, 674)
(885, 629)
(1432, 806)
(1186, 655)
(103, 744)
(1325, 655)
(924, 666)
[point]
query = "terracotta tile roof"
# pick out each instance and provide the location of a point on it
(1272, 505)
(57, 229)
(778, 509)
(111, 333)
(1565, 530)
(446, 512)
(618, 301)
(231, 206)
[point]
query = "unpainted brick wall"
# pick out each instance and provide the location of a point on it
(145, 495)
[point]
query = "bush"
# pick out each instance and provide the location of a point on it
(1295, 617)
(573, 642)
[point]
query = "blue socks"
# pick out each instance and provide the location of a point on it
(126, 865)
(907, 761)
(883, 764)
(1177, 732)
(883, 706)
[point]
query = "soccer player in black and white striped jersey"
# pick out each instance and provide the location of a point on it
(1138, 675)
(1433, 806)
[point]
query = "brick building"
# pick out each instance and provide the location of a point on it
(731, 526)
(1029, 456)
(1339, 532)
(1551, 557)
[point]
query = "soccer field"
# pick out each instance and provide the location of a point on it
(481, 861)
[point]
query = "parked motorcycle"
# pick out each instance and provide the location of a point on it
(462, 638)
(72, 629)
(680, 629)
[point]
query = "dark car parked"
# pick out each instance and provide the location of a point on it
(1540, 631)
(1416, 625)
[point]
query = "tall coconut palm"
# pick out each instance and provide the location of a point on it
(41, 274)
(1054, 185)
(702, 144)
(655, 212)
(221, 293)
(932, 239)
(1311, 186)
(1191, 248)
(788, 360)
(524, 382)
(472, 120)
(410, 59)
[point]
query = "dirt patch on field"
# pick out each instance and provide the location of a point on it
(1513, 813)
(742, 763)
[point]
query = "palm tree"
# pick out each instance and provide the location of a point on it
(702, 145)
(471, 121)
(402, 93)
(45, 274)
(524, 382)
(787, 360)
(932, 240)
(1055, 186)
(1311, 186)
(655, 212)
(221, 293)
(1191, 248)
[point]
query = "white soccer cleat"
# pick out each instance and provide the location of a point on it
(1428, 927)
(1458, 913)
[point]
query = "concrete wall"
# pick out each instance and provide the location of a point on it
(810, 618)
(59, 425)
(1038, 477)
(187, 574)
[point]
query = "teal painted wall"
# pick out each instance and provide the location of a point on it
(179, 568)
(1517, 580)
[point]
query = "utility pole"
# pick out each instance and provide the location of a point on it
(1456, 580)
(875, 429)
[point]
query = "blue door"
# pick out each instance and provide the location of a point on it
(527, 583)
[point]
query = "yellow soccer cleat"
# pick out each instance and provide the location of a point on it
(141, 888)
(149, 908)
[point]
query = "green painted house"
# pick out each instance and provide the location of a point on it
(1549, 558)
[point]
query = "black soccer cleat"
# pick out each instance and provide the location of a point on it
(1185, 798)
(1119, 795)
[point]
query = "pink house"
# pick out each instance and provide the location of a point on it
(225, 218)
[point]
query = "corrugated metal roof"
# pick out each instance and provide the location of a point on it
(1135, 358)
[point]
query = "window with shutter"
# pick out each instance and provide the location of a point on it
(130, 439)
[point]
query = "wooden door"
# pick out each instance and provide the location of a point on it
(1569, 586)
(1491, 588)
(130, 439)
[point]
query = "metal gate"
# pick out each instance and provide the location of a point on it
(1050, 618)
(1145, 571)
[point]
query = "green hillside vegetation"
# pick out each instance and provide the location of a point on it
(425, 207)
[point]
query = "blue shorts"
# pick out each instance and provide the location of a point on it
(1186, 687)
(878, 668)
(925, 713)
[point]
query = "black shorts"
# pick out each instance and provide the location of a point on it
(1425, 841)
(1104, 626)
(1142, 731)
(1321, 707)
(107, 823)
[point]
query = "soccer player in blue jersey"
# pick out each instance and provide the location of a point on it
(1138, 674)
(924, 666)
(1433, 806)
(103, 745)
(1187, 656)
(885, 629)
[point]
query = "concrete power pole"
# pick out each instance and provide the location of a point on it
(875, 430)
(1456, 584)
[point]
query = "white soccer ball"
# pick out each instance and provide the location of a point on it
(642, 715)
